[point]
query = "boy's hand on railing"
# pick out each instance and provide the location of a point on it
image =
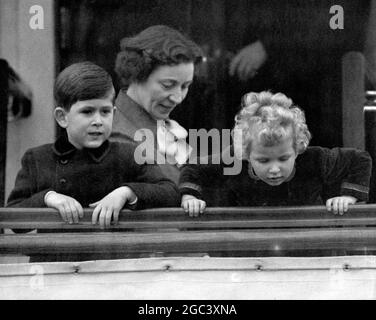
(192, 205)
(111, 205)
(69, 208)
(340, 205)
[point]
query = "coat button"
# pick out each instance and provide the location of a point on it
(63, 181)
(63, 161)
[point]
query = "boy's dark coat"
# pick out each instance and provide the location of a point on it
(88, 175)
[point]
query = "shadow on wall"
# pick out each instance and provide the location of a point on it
(15, 103)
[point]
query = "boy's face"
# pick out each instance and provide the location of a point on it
(88, 122)
(273, 164)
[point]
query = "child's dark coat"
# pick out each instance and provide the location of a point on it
(320, 173)
(88, 175)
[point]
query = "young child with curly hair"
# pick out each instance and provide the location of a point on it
(271, 138)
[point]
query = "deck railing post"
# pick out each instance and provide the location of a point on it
(353, 99)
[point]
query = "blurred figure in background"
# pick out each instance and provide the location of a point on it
(290, 47)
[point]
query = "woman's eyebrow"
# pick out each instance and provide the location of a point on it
(176, 81)
(169, 79)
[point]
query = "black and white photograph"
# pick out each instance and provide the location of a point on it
(187, 155)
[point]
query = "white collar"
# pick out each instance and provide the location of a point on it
(171, 141)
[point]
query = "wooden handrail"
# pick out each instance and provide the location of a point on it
(214, 218)
(170, 230)
(274, 240)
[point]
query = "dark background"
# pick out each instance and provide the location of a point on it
(304, 53)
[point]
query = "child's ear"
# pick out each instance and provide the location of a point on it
(61, 117)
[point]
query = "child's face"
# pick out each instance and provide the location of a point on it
(273, 164)
(89, 122)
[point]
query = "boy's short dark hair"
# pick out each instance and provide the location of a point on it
(155, 46)
(81, 81)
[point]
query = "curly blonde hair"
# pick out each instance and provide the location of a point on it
(269, 118)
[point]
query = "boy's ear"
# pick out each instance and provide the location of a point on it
(61, 117)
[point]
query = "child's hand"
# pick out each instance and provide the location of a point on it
(192, 205)
(70, 209)
(111, 205)
(339, 204)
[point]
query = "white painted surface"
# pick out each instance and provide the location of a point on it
(350, 277)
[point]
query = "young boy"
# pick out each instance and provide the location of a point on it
(82, 168)
(278, 167)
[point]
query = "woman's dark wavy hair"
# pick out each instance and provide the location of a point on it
(155, 46)
(81, 81)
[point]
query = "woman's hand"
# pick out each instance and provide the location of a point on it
(110, 206)
(192, 205)
(248, 60)
(340, 205)
(70, 209)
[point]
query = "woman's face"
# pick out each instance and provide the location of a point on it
(164, 89)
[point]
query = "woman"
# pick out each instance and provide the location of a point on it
(156, 68)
